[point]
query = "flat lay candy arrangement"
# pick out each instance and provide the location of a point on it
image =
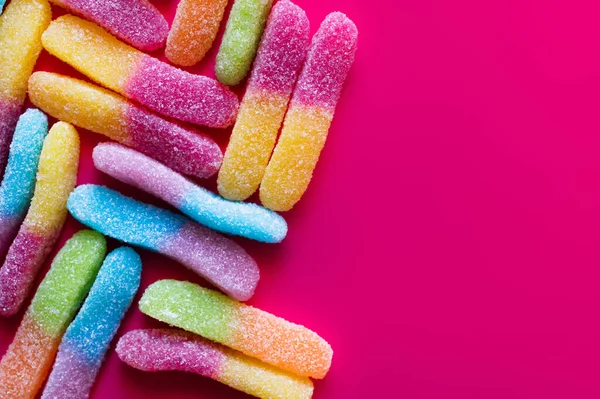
(274, 85)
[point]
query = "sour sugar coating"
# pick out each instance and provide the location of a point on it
(87, 339)
(237, 218)
(21, 28)
(136, 22)
(251, 331)
(194, 30)
(282, 50)
(242, 35)
(171, 349)
(27, 362)
(19, 178)
(104, 112)
(310, 113)
(140, 77)
(56, 178)
(218, 259)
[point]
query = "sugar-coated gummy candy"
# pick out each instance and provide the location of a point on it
(237, 218)
(310, 113)
(218, 259)
(242, 35)
(19, 178)
(104, 112)
(251, 331)
(56, 178)
(194, 30)
(138, 76)
(28, 359)
(88, 337)
(280, 55)
(21, 28)
(136, 22)
(170, 349)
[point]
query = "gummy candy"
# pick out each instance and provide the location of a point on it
(240, 41)
(21, 28)
(19, 178)
(86, 341)
(218, 259)
(56, 178)
(241, 327)
(280, 56)
(310, 113)
(237, 218)
(136, 22)
(140, 77)
(171, 349)
(194, 30)
(107, 113)
(27, 362)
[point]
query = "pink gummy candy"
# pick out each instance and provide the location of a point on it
(136, 22)
(170, 349)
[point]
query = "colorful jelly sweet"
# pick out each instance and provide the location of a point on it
(280, 55)
(244, 28)
(218, 259)
(310, 113)
(138, 76)
(18, 184)
(56, 178)
(170, 349)
(101, 111)
(27, 362)
(251, 331)
(194, 30)
(136, 22)
(87, 339)
(21, 28)
(237, 218)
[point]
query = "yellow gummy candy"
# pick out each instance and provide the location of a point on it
(251, 144)
(21, 28)
(57, 176)
(80, 103)
(261, 380)
(81, 43)
(290, 170)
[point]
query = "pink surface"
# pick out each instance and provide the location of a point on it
(448, 244)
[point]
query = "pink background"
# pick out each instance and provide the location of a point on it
(447, 247)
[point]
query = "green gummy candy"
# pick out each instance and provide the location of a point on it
(68, 281)
(241, 39)
(191, 307)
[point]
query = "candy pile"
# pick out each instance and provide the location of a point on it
(146, 106)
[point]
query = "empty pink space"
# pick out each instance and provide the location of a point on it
(448, 246)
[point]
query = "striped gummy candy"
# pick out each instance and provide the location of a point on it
(28, 359)
(87, 339)
(136, 22)
(241, 38)
(138, 76)
(310, 113)
(218, 259)
(101, 111)
(251, 331)
(280, 56)
(19, 178)
(170, 349)
(237, 218)
(56, 178)
(21, 28)
(194, 30)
